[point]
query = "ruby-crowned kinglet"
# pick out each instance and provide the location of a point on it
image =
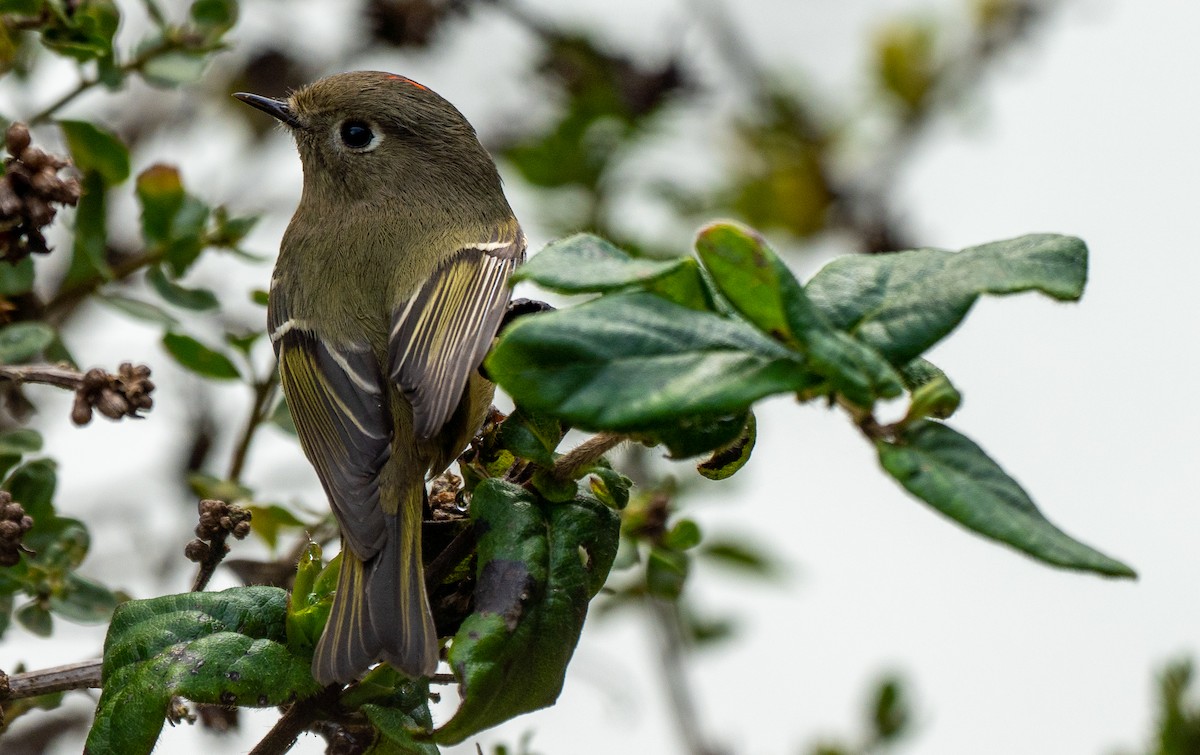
(391, 282)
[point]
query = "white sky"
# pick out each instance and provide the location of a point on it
(1090, 131)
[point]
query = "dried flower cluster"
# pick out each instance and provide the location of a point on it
(443, 496)
(218, 520)
(14, 523)
(29, 189)
(121, 395)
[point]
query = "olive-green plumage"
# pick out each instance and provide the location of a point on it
(390, 285)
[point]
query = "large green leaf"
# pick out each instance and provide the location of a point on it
(89, 250)
(901, 304)
(223, 648)
(631, 361)
(953, 475)
(539, 564)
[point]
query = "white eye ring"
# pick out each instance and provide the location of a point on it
(358, 135)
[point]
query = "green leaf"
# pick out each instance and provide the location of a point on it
(666, 572)
(585, 263)
(267, 521)
(35, 618)
(187, 298)
(223, 648)
(937, 398)
(901, 304)
(954, 476)
(160, 193)
(32, 485)
(630, 361)
(22, 341)
(89, 251)
(312, 597)
(609, 486)
(138, 309)
(16, 279)
(396, 724)
(95, 149)
(538, 565)
(21, 7)
(683, 536)
(739, 555)
(727, 460)
(756, 282)
(531, 436)
(214, 15)
(281, 417)
(85, 33)
(83, 601)
(693, 436)
(260, 297)
(199, 358)
(20, 441)
(173, 68)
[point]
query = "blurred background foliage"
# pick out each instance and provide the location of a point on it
(590, 136)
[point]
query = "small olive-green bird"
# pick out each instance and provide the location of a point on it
(391, 282)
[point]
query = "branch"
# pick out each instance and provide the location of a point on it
(666, 616)
(295, 721)
(123, 394)
(218, 520)
(82, 675)
(568, 465)
(264, 396)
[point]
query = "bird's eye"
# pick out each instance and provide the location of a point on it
(357, 135)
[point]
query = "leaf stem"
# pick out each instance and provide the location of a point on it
(665, 615)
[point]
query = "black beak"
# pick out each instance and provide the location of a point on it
(274, 108)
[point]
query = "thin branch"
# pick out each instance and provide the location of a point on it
(45, 374)
(68, 297)
(136, 64)
(82, 675)
(264, 396)
(301, 715)
(451, 556)
(666, 617)
(568, 465)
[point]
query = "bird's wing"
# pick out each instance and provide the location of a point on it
(441, 334)
(339, 406)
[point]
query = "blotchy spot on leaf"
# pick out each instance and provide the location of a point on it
(504, 588)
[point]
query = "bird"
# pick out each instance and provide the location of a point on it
(391, 282)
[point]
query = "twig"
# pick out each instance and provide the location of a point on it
(45, 374)
(295, 721)
(264, 395)
(666, 616)
(82, 675)
(586, 453)
(167, 45)
(68, 297)
(451, 556)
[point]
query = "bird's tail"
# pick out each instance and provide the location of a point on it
(380, 610)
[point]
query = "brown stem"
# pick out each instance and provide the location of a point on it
(46, 374)
(301, 715)
(150, 53)
(82, 675)
(666, 616)
(68, 297)
(586, 453)
(264, 395)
